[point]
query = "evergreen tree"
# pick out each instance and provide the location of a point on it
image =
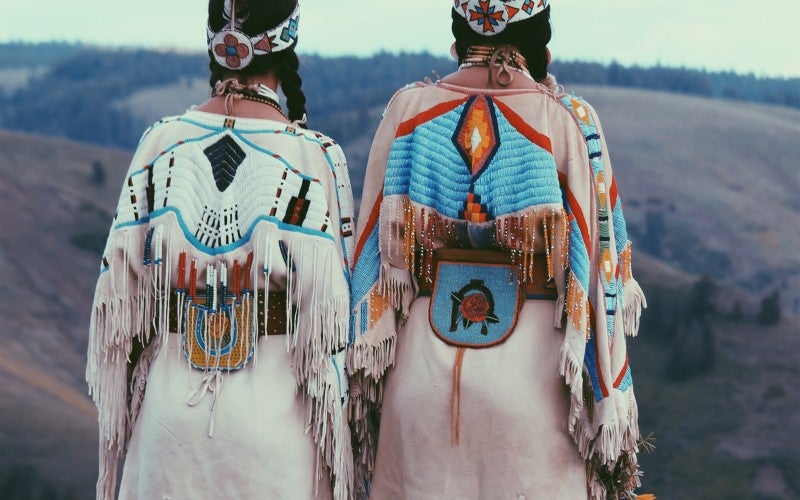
(770, 311)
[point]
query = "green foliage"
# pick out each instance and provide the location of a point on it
(775, 391)
(79, 96)
(98, 175)
(737, 313)
(695, 419)
(692, 347)
(701, 298)
(770, 311)
(652, 239)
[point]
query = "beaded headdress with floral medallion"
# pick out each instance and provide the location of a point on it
(234, 50)
(490, 17)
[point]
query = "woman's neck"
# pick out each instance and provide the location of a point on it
(270, 79)
(244, 108)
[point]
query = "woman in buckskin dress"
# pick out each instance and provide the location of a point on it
(216, 352)
(492, 292)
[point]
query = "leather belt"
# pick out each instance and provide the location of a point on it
(540, 287)
(276, 315)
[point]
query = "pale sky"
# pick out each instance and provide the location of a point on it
(739, 35)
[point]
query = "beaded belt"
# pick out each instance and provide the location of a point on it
(540, 287)
(276, 314)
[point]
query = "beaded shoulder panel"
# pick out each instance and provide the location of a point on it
(493, 165)
(219, 187)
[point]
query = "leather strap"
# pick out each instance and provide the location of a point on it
(276, 316)
(541, 287)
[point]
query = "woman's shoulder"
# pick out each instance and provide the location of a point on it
(198, 129)
(581, 112)
(410, 89)
(204, 124)
(159, 126)
(422, 101)
(328, 146)
(180, 129)
(412, 96)
(313, 135)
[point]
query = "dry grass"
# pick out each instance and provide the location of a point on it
(46, 282)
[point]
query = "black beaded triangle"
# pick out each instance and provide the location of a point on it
(225, 157)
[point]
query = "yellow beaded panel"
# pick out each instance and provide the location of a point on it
(221, 340)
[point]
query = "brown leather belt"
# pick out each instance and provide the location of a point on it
(540, 287)
(276, 315)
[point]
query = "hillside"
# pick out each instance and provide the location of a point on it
(709, 186)
(52, 214)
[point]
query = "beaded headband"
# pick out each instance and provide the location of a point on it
(490, 17)
(233, 49)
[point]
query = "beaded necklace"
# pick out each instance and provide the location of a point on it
(232, 89)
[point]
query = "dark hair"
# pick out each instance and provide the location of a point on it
(259, 17)
(530, 36)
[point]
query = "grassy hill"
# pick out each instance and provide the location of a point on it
(709, 187)
(53, 208)
(717, 180)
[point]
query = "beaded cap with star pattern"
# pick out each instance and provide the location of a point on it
(234, 49)
(490, 17)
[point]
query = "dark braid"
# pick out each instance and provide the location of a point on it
(291, 84)
(285, 63)
(530, 36)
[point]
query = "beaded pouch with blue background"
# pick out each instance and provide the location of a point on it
(474, 304)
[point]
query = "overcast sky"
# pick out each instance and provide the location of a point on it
(740, 35)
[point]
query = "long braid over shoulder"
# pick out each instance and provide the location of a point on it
(291, 84)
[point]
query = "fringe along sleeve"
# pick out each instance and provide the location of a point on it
(326, 384)
(603, 303)
(119, 315)
(154, 230)
(373, 326)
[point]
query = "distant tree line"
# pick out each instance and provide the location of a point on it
(79, 96)
(25, 54)
(725, 85)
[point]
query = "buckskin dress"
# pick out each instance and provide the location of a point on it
(550, 410)
(215, 213)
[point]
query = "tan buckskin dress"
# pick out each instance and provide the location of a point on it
(215, 212)
(522, 171)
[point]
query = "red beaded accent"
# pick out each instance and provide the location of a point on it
(475, 307)
(236, 279)
(193, 281)
(182, 271)
(247, 266)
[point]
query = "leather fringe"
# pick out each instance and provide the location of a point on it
(132, 301)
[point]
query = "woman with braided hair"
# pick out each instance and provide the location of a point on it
(220, 319)
(492, 292)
